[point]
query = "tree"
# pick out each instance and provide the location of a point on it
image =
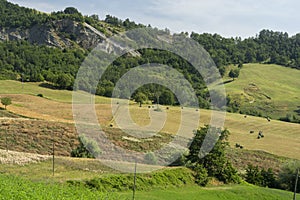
(64, 81)
(287, 176)
(6, 101)
(215, 162)
(140, 98)
(234, 73)
(71, 11)
(167, 98)
(253, 175)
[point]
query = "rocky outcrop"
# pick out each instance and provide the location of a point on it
(61, 33)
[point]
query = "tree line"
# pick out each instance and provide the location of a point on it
(266, 47)
(20, 60)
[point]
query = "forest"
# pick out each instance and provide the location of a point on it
(21, 60)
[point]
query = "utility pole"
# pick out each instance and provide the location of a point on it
(296, 183)
(6, 140)
(134, 181)
(53, 153)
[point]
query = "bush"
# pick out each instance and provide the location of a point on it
(287, 176)
(6, 101)
(177, 177)
(150, 158)
(265, 178)
(87, 148)
(229, 174)
(40, 95)
(253, 175)
(201, 175)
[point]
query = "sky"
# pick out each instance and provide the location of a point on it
(229, 18)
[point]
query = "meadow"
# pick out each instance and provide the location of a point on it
(281, 138)
(52, 113)
(20, 189)
(272, 90)
(232, 192)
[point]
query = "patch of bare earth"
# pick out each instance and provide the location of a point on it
(20, 158)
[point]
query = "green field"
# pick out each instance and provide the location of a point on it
(15, 188)
(271, 89)
(20, 189)
(234, 192)
(65, 96)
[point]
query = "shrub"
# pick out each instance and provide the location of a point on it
(229, 174)
(150, 158)
(253, 175)
(177, 177)
(6, 101)
(265, 178)
(87, 148)
(201, 175)
(287, 176)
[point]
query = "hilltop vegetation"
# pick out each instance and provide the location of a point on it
(34, 61)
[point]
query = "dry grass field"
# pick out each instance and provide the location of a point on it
(281, 138)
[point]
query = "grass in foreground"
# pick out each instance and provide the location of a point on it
(234, 192)
(20, 189)
(65, 169)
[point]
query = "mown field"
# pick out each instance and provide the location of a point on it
(51, 116)
(281, 138)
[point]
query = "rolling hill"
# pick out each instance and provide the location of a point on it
(271, 90)
(281, 138)
(40, 55)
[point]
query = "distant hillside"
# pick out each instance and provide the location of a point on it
(66, 29)
(27, 34)
(266, 90)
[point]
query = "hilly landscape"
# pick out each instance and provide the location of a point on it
(44, 156)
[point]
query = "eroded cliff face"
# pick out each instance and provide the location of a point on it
(63, 33)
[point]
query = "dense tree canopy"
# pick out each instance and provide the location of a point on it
(267, 47)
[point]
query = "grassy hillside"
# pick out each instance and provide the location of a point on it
(16, 87)
(16, 188)
(19, 189)
(281, 138)
(272, 90)
(234, 192)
